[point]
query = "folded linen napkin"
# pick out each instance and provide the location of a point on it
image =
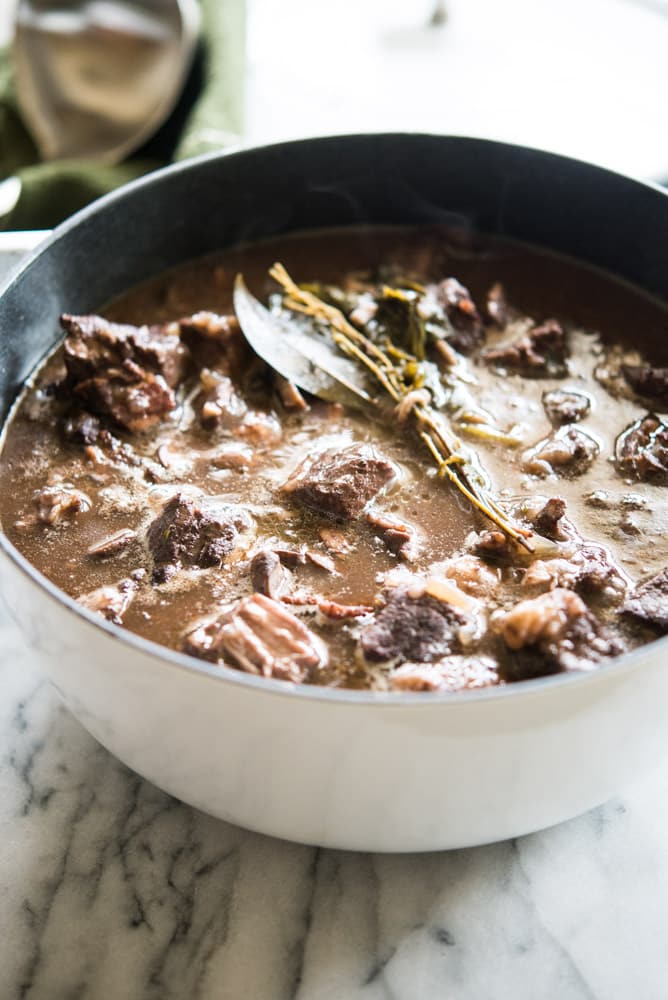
(208, 116)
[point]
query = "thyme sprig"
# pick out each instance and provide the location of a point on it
(400, 374)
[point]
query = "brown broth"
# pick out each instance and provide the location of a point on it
(598, 310)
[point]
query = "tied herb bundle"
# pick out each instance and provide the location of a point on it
(400, 374)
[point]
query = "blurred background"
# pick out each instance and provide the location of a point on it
(584, 77)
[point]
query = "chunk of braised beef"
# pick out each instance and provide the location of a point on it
(467, 330)
(340, 482)
(93, 345)
(648, 603)
(260, 636)
(540, 352)
(649, 382)
(124, 372)
(132, 397)
(567, 452)
(193, 532)
(216, 342)
(641, 451)
(267, 574)
(399, 536)
(546, 521)
(420, 628)
(597, 574)
(552, 633)
(565, 406)
(112, 600)
(59, 502)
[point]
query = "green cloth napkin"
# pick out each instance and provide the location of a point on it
(208, 116)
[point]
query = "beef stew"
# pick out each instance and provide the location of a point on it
(167, 478)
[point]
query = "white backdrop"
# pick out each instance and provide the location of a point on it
(584, 77)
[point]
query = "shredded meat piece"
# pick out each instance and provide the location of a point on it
(567, 452)
(471, 575)
(260, 636)
(540, 352)
(418, 397)
(335, 540)
(327, 607)
(289, 394)
(454, 673)
(447, 354)
(337, 611)
(649, 602)
(496, 306)
(221, 408)
(267, 574)
(589, 571)
(400, 537)
(59, 503)
(565, 406)
(419, 628)
(547, 520)
(190, 532)
(111, 601)
(261, 429)
(113, 544)
(291, 557)
(649, 382)
(231, 455)
(554, 632)
(216, 342)
(467, 330)
(110, 451)
(494, 545)
(221, 405)
(81, 428)
(320, 560)
(340, 482)
(641, 451)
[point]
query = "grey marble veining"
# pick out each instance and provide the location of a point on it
(111, 889)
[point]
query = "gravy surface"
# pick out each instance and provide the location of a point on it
(351, 562)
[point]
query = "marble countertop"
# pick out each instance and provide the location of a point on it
(112, 890)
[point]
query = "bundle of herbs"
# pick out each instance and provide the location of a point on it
(370, 348)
